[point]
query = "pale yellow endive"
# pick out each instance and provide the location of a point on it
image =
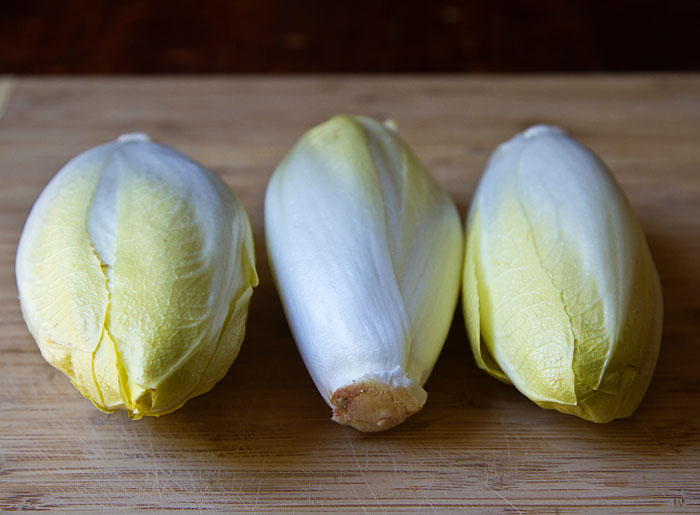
(560, 293)
(366, 251)
(135, 270)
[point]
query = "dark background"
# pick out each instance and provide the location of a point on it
(261, 36)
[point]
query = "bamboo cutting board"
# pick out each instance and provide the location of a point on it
(262, 439)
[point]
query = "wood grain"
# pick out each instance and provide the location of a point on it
(262, 439)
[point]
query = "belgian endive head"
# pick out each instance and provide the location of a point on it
(561, 296)
(135, 269)
(366, 251)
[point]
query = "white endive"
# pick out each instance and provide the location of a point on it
(561, 296)
(135, 270)
(366, 251)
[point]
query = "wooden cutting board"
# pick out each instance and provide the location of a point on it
(262, 439)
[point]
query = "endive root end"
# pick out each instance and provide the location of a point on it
(371, 406)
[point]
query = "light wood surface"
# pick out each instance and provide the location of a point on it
(5, 90)
(262, 439)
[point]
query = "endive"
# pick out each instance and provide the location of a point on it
(135, 269)
(366, 252)
(561, 296)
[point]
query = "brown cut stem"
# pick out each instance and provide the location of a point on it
(370, 406)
